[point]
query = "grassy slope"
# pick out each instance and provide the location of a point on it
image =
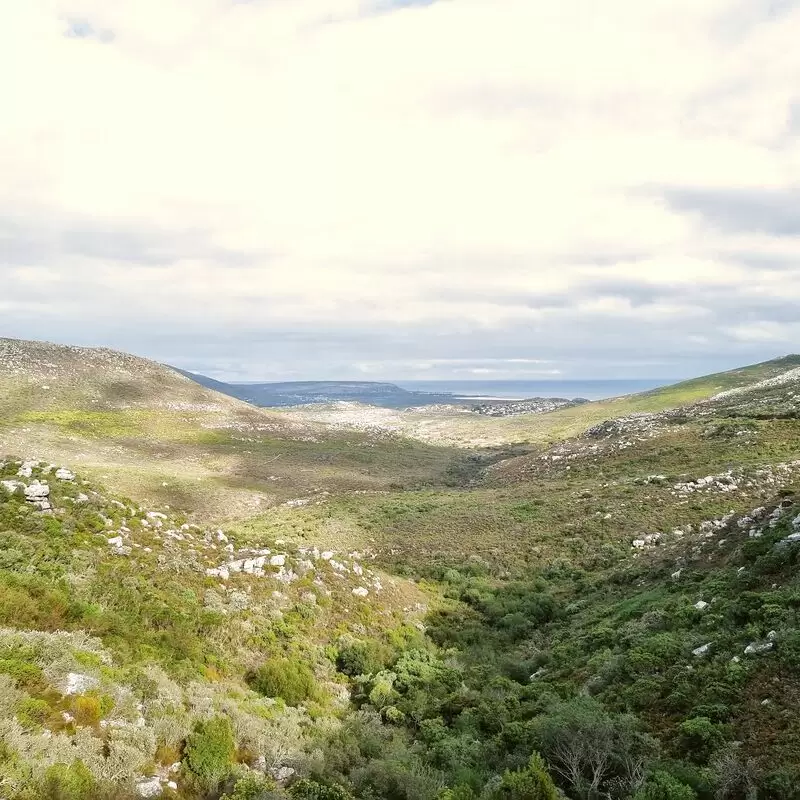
(151, 433)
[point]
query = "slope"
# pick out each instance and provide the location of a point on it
(160, 437)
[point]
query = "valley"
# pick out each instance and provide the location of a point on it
(201, 598)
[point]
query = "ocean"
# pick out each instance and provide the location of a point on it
(522, 389)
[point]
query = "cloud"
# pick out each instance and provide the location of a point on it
(770, 211)
(299, 187)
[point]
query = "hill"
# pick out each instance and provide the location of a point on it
(610, 610)
(150, 432)
(294, 393)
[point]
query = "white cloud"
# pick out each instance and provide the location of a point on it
(324, 168)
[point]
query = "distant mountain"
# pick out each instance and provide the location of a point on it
(294, 393)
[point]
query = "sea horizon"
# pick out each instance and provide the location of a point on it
(520, 389)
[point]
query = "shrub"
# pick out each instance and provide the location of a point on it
(699, 737)
(87, 710)
(311, 790)
(662, 786)
(531, 783)
(289, 679)
(359, 658)
(209, 751)
(33, 712)
(68, 782)
(252, 787)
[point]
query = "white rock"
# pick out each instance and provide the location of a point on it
(37, 491)
(172, 785)
(63, 474)
(327, 555)
(360, 591)
(77, 683)
(149, 787)
(282, 774)
(756, 648)
(702, 650)
(277, 561)
(221, 537)
(12, 486)
(701, 605)
(116, 541)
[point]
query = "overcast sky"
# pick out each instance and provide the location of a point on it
(384, 189)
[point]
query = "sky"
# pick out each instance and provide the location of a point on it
(387, 189)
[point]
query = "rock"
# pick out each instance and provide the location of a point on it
(702, 650)
(676, 574)
(756, 648)
(327, 555)
(221, 537)
(116, 541)
(538, 674)
(360, 591)
(78, 683)
(149, 787)
(63, 474)
(172, 785)
(277, 561)
(37, 491)
(12, 486)
(282, 774)
(701, 605)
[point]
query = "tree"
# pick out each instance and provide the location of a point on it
(594, 752)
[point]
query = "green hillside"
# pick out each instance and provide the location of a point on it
(609, 611)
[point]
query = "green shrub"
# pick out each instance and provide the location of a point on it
(359, 658)
(289, 679)
(68, 782)
(209, 751)
(311, 790)
(33, 712)
(531, 783)
(699, 737)
(662, 786)
(252, 787)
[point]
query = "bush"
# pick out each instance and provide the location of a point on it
(209, 751)
(87, 710)
(662, 786)
(289, 679)
(33, 712)
(311, 790)
(68, 782)
(359, 658)
(699, 737)
(531, 783)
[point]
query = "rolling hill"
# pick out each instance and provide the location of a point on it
(608, 609)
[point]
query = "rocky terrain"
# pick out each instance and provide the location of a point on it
(534, 405)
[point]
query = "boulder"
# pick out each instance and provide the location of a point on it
(757, 648)
(702, 650)
(149, 787)
(63, 474)
(37, 491)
